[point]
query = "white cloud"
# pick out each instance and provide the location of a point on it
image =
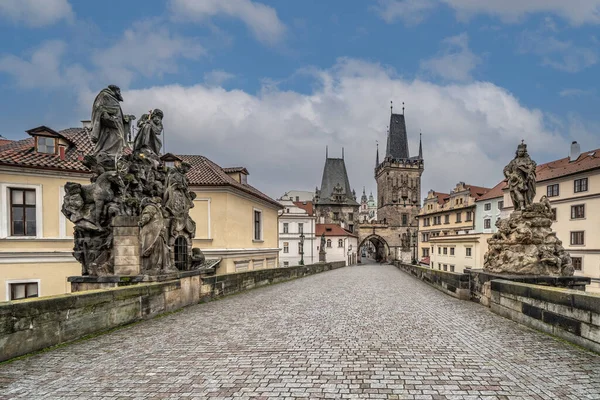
(42, 69)
(455, 62)
(559, 54)
(217, 77)
(280, 136)
(411, 12)
(36, 13)
(262, 20)
(576, 92)
(575, 12)
(147, 49)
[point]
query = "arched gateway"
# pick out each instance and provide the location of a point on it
(375, 248)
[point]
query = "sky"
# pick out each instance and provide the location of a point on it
(269, 84)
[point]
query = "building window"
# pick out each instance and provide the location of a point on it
(552, 190)
(445, 267)
(340, 243)
(404, 219)
(181, 253)
(458, 217)
(446, 219)
(350, 216)
(22, 212)
(452, 268)
(351, 228)
(487, 206)
(300, 227)
(487, 223)
(329, 243)
(451, 251)
(336, 216)
(257, 225)
(425, 252)
(577, 263)
(554, 214)
(578, 211)
(445, 250)
(469, 216)
(286, 247)
(286, 264)
(581, 185)
(286, 227)
(468, 251)
(45, 145)
(23, 290)
(577, 238)
(439, 250)
(500, 204)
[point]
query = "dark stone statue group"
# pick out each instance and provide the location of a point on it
(129, 181)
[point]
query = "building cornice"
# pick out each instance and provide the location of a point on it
(235, 191)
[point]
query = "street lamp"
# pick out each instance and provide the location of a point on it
(349, 254)
(302, 248)
(414, 237)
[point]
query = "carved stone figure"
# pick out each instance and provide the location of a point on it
(153, 235)
(109, 125)
(178, 200)
(525, 243)
(520, 175)
(322, 248)
(150, 127)
(197, 258)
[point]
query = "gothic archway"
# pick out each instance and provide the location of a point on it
(374, 247)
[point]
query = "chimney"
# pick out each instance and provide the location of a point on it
(575, 151)
(61, 152)
(87, 124)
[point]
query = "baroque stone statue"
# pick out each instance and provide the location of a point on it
(150, 127)
(136, 185)
(525, 243)
(109, 125)
(520, 176)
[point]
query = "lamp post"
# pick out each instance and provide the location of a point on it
(414, 237)
(302, 248)
(349, 254)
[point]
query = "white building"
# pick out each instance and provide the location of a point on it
(298, 196)
(489, 209)
(296, 219)
(340, 244)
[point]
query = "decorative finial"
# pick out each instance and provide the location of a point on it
(391, 107)
(342, 153)
(326, 151)
(402, 108)
(522, 141)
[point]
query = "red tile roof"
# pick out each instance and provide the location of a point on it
(306, 206)
(332, 230)
(4, 141)
(477, 191)
(495, 192)
(441, 197)
(231, 170)
(554, 169)
(203, 172)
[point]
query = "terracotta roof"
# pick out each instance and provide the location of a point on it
(204, 172)
(555, 169)
(496, 191)
(4, 141)
(306, 206)
(425, 260)
(231, 170)
(442, 197)
(477, 191)
(332, 230)
(22, 152)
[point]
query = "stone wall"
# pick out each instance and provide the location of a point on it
(34, 324)
(570, 314)
(452, 283)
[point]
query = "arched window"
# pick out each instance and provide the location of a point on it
(328, 242)
(340, 243)
(181, 253)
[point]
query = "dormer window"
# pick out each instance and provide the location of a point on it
(46, 145)
(170, 164)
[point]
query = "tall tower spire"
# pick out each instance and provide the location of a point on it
(420, 146)
(326, 152)
(377, 156)
(397, 140)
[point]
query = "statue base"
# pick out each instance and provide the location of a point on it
(526, 245)
(126, 245)
(322, 256)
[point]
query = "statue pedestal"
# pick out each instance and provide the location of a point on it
(126, 245)
(322, 256)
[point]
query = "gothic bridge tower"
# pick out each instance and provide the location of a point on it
(398, 178)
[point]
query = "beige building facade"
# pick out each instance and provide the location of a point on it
(455, 253)
(235, 222)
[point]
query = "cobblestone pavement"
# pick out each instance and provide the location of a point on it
(360, 332)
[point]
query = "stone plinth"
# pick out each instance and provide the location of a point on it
(322, 256)
(126, 245)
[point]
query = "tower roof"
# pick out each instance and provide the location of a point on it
(335, 186)
(397, 141)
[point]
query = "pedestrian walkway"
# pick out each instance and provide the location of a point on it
(363, 332)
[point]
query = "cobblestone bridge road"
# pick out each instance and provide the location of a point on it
(359, 332)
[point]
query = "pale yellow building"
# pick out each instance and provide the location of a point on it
(445, 216)
(455, 253)
(572, 184)
(235, 221)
